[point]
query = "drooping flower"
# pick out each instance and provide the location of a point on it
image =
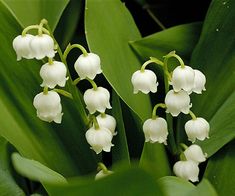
(53, 74)
(144, 81)
(199, 82)
(197, 129)
(42, 46)
(21, 45)
(99, 139)
(194, 153)
(48, 106)
(155, 130)
(183, 79)
(102, 174)
(177, 102)
(107, 121)
(97, 100)
(187, 170)
(88, 66)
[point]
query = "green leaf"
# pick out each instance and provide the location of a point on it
(154, 160)
(174, 186)
(35, 171)
(120, 151)
(109, 27)
(215, 57)
(182, 38)
(127, 182)
(8, 186)
(68, 22)
(221, 171)
(61, 147)
(30, 12)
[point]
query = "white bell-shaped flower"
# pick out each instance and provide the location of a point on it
(199, 82)
(187, 170)
(97, 100)
(155, 130)
(102, 174)
(144, 81)
(177, 102)
(107, 121)
(88, 66)
(197, 129)
(53, 74)
(42, 46)
(183, 79)
(99, 139)
(194, 153)
(21, 45)
(48, 106)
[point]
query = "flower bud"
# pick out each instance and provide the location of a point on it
(42, 46)
(183, 78)
(97, 100)
(108, 122)
(144, 81)
(99, 139)
(177, 102)
(197, 129)
(48, 106)
(53, 74)
(187, 170)
(155, 130)
(199, 82)
(21, 45)
(102, 174)
(88, 66)
(194, 153)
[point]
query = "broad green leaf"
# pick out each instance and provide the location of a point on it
(221, 171)
(8, 185)
(182, 39)
(61, 147)
(174, 186)
(215, 57)
(68, 22)
(120, 150)
(127, 182)
(109, 27)
(36, 171)
(154, 160)
(204, 188)
(29, 12)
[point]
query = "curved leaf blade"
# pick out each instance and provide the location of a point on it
(114, 28)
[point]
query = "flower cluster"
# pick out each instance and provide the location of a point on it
(184, 81)
(53, 73)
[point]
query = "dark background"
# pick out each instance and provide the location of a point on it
(169, 12)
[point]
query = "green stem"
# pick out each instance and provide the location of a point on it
(63, 92)
(24, 32)
(162, 105)
(173, 54)
(92, 82)
(103, 115)
(76, 81)
(45, 90)
(193, 116)
(184, 147)
(152, 60)
(96, 124)
(101, 166)
(70, 85)
(70, 47)
(182, 157)
(50, 61)
(155, 19)
(169, 118)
